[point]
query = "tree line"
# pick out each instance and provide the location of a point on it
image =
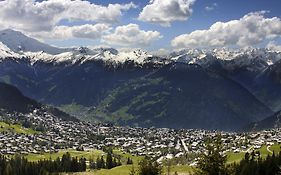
(18, 165)
(109, 162)
(213, 162)
(253, 164)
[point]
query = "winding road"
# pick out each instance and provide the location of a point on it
(267, 148)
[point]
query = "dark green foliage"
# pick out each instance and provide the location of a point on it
(20, 166)
(253, 164)
(110, 161)
(129, 161)
(149, 167)
(92, 164)
(175, 95)
(213, 162)
(178, 96)
(12, 100)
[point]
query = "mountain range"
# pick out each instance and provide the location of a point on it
(225, 89)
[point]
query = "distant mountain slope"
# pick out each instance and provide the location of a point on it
(7, 53)
(273, 121)
(191, 88)
(182, 96)
(62, 84)
(17, 41)
(267, 86)
(12, 100)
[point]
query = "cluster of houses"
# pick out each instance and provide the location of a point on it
(160, 143)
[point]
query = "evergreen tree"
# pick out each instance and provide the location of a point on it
(102, 163)
(114, 163)
(98, 163)
(213, 162)
(92, 164)
(148, 167)
(119, 162)
(83, 165)
(109, 161)
(129, 161)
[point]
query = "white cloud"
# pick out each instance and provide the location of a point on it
(273, 46)
(163, 12)
(161, 52)
(131, 35)
(250, 30)
(211, 7)
(31, 16)
(84, 31)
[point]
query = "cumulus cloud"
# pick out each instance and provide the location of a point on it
(250, 30)
(31, 16)
(88, 31)
(131, 35)
(163, 12)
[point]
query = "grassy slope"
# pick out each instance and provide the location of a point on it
(125, 169)
(236, 157)
(16, 128)
(79, 154)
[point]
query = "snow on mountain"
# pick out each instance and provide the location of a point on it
(82, 55)
(5, 52)
(228, 58)
(18, 42)
(16, 45)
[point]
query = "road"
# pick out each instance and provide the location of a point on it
(269, 149)
(249, 149)
(184, 145)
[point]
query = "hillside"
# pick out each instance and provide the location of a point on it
(182, 96)
(273, 121)
(18, 42)
(192, 88)
(12, 100)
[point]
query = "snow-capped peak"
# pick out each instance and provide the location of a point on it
(5, 52)
(14, 44)
(18, 42)
(228, 58)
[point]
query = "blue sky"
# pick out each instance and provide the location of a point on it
(200, 15)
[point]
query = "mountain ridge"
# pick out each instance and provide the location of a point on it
(13, 101)
(228, 58)
(84, 82)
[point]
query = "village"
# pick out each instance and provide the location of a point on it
(55, 134)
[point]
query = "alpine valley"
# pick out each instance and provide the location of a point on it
(224, 89)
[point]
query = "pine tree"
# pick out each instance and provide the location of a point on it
(114, 163)
(92, 164)
(8, 170)
(213, 162)
(148, 167)
(109, 162)
(102, 163)
(119, 162)
(129, 161)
